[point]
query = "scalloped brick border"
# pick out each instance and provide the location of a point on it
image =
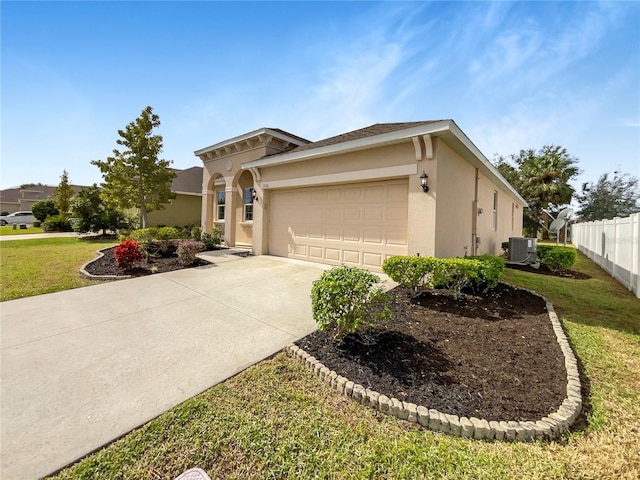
(549, 427)
(100, 253)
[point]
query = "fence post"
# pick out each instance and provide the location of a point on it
(635, 249)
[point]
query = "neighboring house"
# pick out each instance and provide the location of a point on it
(22, 199)
(186, 208)
(357, 198)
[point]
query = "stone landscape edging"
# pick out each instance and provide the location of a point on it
(549, 427)
(83, 269)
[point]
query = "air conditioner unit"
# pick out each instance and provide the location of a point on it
(523, 250)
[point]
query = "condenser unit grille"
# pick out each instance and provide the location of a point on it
(522, 250)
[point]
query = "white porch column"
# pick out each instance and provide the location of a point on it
(206, 221)
(230, 216)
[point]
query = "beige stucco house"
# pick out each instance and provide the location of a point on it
(359, 197)
(186, 208)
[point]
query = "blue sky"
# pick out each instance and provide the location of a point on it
(512, 75)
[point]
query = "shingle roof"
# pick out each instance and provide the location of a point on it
(370, 131)
(188, 180)
(35, 192)
(303, 140)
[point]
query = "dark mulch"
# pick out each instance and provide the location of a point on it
(544, 270)
(487, 356)
(106, 265)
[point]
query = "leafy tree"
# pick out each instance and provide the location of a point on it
(43, 209)
(63, 193)
(136, 177)
(542, 178)
(92, 214)
(609, 197)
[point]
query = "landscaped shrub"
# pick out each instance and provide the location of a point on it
(196, 233)
(58, 223)
(166, 236)
(212, 240)
(43, 209)
(410, 272)
(490, 271)
(187, 250)
(143, 236)
(344, 297)
(455, 274)
(557, 258)
(127, 253)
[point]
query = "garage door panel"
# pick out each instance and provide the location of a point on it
(351, 256)
(372, 260)
(373, 236)
(351, 235)
(359, 224)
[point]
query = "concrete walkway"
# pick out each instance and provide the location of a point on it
(82, 367)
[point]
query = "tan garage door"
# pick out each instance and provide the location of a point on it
(354, 224)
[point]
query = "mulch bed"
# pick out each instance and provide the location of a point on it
(106, 265)
(487, 356)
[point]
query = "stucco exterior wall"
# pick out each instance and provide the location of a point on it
(508, 217)
(455, 208)
(184, 210)
(394, 161)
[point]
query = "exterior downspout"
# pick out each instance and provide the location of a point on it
(474, 217)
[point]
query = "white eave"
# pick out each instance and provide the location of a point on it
(447, 130)
(248, 136)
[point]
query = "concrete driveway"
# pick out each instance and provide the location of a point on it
(82, 367)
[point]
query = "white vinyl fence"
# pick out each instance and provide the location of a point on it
(614, 245)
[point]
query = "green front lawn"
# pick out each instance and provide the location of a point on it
(8, 230)
(275, 420)
(34, 267)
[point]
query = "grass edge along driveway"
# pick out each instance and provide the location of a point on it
(275, 420)
(37, 266)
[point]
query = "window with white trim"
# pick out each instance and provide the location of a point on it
(248, 205)
(495, 210)
(220, 198)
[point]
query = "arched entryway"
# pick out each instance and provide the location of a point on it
(243, 192)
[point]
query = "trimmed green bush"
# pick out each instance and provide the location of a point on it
(491, 270)
(410, 272)
(343, 298)
(480, 273)
(557, 258)
(454, 274)
(143, 236)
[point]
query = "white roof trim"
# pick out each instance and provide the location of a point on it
(359, 144)
(247, 136)
(196, 194)
(443, 126)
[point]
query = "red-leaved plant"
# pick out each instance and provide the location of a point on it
(127, 253)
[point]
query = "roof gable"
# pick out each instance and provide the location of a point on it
(370, 131)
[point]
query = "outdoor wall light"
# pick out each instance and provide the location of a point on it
(254, 194)
(423, 182)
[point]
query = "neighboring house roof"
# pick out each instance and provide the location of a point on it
(188, 181)
(388, 134)
(32, 193)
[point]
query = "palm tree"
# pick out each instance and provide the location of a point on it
(542, 178)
